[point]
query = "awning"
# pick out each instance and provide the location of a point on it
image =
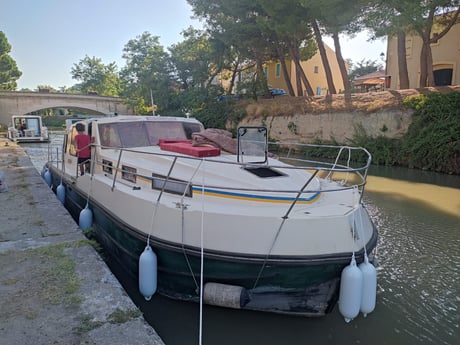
(374, 81)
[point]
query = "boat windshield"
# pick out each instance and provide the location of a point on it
(140, 134)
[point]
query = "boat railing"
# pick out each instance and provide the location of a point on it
(346, 165)
(343, 166)
(55, 155)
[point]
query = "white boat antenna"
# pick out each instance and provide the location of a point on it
(153, 105)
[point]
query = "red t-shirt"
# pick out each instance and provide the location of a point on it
(83, 142)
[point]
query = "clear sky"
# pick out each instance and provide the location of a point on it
(49, 36)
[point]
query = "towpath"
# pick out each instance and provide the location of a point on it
(54, 287)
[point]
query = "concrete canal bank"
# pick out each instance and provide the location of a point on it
(54, 287)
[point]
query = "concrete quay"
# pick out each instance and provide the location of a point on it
(54, 287)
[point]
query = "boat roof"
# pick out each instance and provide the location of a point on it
(131, 118)
(26, 116)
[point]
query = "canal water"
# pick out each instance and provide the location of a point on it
(418, 298)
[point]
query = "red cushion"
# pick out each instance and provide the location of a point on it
(188, 149)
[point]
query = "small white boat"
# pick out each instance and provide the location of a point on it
(27, 129)
(263, 233)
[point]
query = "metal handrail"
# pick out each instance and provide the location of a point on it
(360, 172)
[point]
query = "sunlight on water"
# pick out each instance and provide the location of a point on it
(442, 198)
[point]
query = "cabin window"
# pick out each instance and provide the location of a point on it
(109, 136)
(140, 134)
(107, 166)
(73, 144)
(165, 130)
(128, 173)
(133, 135)
(278, 70)
(171, 186)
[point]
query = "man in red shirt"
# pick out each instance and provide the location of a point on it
(83, 143)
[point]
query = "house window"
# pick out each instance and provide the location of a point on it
(316, 69)
(278, 70)
(443, 75)
(266, 72)
(408, 47)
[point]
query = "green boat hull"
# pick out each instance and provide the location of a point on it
(297, 285)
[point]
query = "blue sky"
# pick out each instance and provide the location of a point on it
(49, 36)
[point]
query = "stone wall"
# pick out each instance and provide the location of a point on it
(334, 117)
(338, 126)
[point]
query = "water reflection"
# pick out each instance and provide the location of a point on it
(418, 301)
(445, 199)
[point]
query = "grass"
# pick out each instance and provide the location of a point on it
(58, 279)
(87, 324)
(122, 316)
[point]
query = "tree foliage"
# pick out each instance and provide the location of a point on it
(432, 141)
(9, 72)
(363, 67)
(146, 73)
(95, 77)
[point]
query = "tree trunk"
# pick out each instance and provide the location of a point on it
(234, 74)
(324, 60)
(424, 61)
(298, 83)
(341, 62)
(300, 71)
(429, 66)
(286, 75)
(402, 61)
(261, 80)
(452, 19)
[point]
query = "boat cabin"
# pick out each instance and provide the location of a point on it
(27, 128)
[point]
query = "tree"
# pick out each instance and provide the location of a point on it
(237, 24)
(439, 13)
(146, 73)
(363, 67)
(9, 72)
(193, 59)
(96, 77)
(401, 17)
(335, 17)
(292, 37)
(384, 20)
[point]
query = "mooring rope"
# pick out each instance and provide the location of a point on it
(202, 255)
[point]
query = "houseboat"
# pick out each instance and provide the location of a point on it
(234, 222)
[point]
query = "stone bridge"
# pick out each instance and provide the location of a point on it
(22, 103)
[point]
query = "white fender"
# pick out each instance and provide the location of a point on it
(47, 177)
(85, 220)
(351, 284)
(60, 193)
(369, 287)
(148, 273)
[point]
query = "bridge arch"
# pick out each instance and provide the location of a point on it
(19, 103)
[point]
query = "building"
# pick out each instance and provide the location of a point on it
(314, 71)
(446, 58)
(375, 81)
